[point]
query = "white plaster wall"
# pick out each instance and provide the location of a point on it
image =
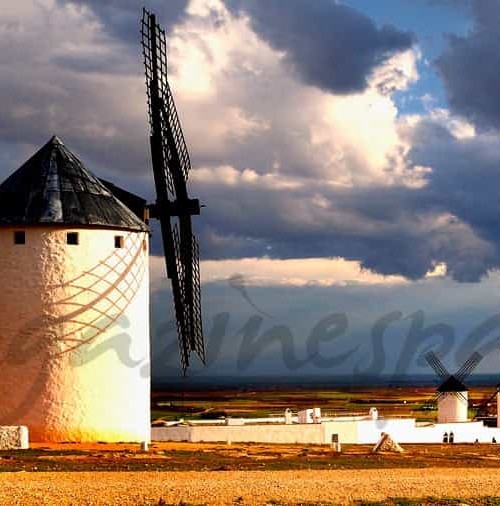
(297, 433)
(74, 335)
(407, 431)
(463, 433)
(370, 431)
(403, 430)
(177, 433)
(347, 431)
(452, 407)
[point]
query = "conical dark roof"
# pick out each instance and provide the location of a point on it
(452, 384)
(54, 187)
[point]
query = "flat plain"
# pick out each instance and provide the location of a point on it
(208, 473)
(415, 401)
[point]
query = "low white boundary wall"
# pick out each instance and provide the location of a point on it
(271, 433)
(349, 431)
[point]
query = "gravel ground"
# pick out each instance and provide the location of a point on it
(244, 487)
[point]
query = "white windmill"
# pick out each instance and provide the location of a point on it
(452, 394)
(74, 303)
(74, 270)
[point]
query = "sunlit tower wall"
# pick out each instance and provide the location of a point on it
(74, 304)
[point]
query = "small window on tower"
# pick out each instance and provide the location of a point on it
(72, 238)
(19, 237)
(118, 241)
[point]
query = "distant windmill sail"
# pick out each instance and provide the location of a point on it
(453, 383)
(436, 364)
(171, 166)
(469, 365)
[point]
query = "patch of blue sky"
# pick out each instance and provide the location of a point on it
(426, 93)
(430, 21)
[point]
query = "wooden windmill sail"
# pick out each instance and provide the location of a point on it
(173, 208)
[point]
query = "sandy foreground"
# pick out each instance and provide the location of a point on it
(244, 487)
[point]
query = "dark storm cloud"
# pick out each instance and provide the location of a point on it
(392, 230)
(79, 91)
(389, 248)
(121, 17)
(38, 112)
(465, 184)
(332, 46)
(470, 67)
(92, 63)
(463, 189)
(76, 91)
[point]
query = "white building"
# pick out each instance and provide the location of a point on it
(74, 303)
(348, 430)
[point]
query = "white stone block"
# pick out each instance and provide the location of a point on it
(14, 437)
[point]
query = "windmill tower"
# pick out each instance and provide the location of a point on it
(74, 311)
(74, 306)
(452, 394)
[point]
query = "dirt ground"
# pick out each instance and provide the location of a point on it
(241, 457)
(249, 487)
(193, 474)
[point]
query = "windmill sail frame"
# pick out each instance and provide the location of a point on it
(453, 380)
(171, 166)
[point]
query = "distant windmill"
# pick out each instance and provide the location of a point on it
(452, 394)
(484, 410)
(171, 166)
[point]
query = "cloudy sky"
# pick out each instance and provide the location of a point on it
(348, 153)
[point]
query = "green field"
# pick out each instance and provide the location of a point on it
(416, 402)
